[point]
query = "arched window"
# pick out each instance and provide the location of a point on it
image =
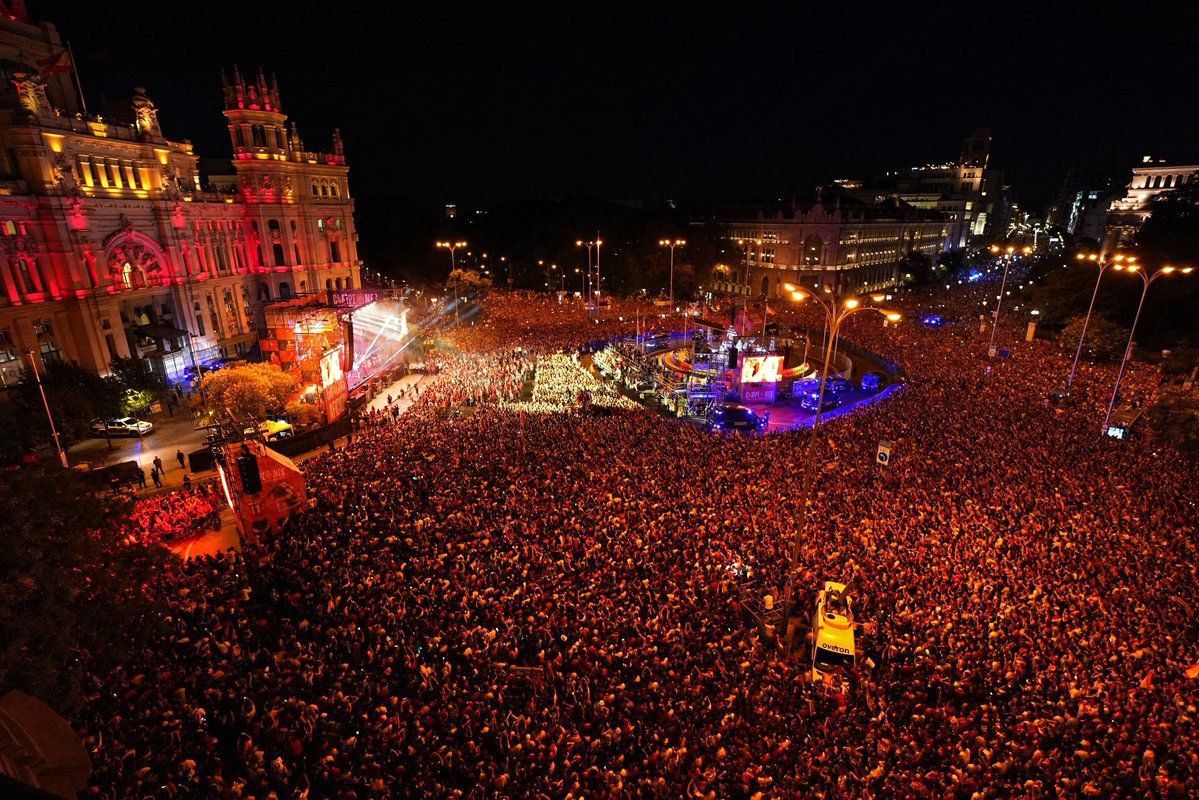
(134, 260)
(264, 292)
(334, 190)
(276, 234)
(324, 190)
(334, 251)
(26, 277)
(765, 284)
(315, 189)
(303, 287)
(328, 283)
(337, 284)
(284, 290)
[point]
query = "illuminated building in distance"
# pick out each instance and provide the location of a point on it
(844, 245)
(1127, 214)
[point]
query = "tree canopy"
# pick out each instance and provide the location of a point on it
(70, 587)
(1105, 340)
(248, 392)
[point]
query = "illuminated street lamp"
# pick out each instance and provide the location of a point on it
(1007, 263)
(835, 315)
(451, 246)
(593, 285)
(1103, 266)
(1147, 280)
(746, 242)
(672, 244)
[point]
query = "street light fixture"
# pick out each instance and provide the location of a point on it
(37, 378)
(835, 315)
(1007, 264)
(452, 246)
(593, 285)
(1116, 261)
(1147, 280)
(672, 244)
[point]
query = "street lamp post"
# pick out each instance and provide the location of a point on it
(452, 246)
(37, 378)
(672, 244)
(1087, 321)
(835, 315)
(1147, 280)
(598, 283)
(593, 285)
(1007, 263)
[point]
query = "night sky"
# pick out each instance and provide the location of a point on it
(476, 104)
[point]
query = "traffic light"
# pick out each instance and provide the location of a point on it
(247, 469)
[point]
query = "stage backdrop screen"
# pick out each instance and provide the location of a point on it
(761, 369)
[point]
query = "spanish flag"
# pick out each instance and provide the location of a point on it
(56, 62)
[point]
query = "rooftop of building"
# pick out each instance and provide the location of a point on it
(834, 204)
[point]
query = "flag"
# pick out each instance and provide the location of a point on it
(57, 62)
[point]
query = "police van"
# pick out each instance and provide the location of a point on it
(832, 631)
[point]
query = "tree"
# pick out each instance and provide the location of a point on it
(72, 589)
(1175, 419)
(249, 392)
(950, 263)
(76, 397)
(142, 387)
(916, 268)
(1105, 340)
(1182, 360)
(468, 283)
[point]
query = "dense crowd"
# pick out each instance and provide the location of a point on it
(562, 383)
(175, 516)
(546, 606)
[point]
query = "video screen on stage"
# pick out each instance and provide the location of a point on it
(761, 369)
(331, 367)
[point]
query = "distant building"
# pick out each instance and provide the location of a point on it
(1127, 214)
(1081, 205)
(842, 244)
(116, 245)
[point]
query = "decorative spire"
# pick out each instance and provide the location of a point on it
(294, 140)
(339, 148)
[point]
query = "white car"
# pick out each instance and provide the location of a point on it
(124, 426)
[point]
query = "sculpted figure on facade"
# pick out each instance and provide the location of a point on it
(64, 176)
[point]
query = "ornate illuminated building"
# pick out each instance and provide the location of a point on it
(844, 245)
(114, 245)
(1127, 214)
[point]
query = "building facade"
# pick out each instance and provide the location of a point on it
(967, 192)
(1128, 213)
(114, 244)
(848, 247)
